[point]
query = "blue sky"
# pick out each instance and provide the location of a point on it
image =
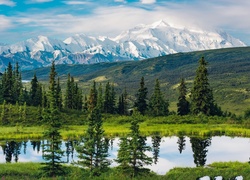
(22, 19)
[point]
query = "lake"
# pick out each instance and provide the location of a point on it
(169, 152)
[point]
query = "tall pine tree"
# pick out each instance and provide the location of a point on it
(141, 98)
(93, 152)
(52, 152)
(183, 106)
(201, 95)
(158, 106)
(132, 153)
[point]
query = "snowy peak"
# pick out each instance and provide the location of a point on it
(143, 41)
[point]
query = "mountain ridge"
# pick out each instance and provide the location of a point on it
(140, 42)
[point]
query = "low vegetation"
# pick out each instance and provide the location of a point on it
(227, 170)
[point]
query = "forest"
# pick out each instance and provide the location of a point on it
(54, 108)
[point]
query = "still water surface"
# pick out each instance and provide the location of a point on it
(173, 151)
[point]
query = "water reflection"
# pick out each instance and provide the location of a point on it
(181, 143)
(167, 152)
(199, 148)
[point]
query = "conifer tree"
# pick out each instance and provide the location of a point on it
(94, 151)
(121, 106)
(100, 99)
(157, 104)
(109, 99)
(52, 152)
(132, 153)
(85, 105)
(183, 106)
(35, 92)
(141, 98)
(92, 100)
(58, 95)
(201, 95)
(68, 94)
(17, 80)
(7, 84)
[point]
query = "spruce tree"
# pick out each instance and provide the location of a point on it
(58, 94)
(132, 153)
(183, 106)
(17, 80)
(141, 98)
(92, 100)
(94, 151)
(201, 95)
(100, 99)
(52, 152)
(35, 92)
(68, 94)
(158, 106)
(7, 84)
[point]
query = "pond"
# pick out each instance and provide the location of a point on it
(168, 152)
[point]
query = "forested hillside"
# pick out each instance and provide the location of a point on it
(228, 75)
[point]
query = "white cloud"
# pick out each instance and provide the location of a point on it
(112, 20)
(38, 1)
(7, 2)
(122, 1)
(75, 2)
(148, 1)
(5, 23)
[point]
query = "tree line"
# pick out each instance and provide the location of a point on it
(200, 101)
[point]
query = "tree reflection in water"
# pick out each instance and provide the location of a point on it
(181, 143)
(199, 148)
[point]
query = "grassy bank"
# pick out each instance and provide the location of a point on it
(32, 171)
(69, 132)
(228, 170)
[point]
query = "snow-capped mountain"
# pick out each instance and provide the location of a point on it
(143, 41)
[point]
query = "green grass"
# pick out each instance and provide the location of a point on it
(228, 170)
(13, 171)
(74, 132)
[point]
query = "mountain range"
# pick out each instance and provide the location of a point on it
(140, 42)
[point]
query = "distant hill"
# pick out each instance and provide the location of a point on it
(229, 75)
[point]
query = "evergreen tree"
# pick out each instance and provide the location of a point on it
(35, 92)
(121, 106)
(17, 80)
(52, 152)
(109, 99)
(92, 100)
(94, 151)
(132, 153)
(157, 104)
(7, 85)
(45, 103)
(85, 105)
(68, 94)
(100, 99)
(182, 105)
(141, 98)
(201, 95)
(58, 94)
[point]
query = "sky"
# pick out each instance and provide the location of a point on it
(59, 19)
